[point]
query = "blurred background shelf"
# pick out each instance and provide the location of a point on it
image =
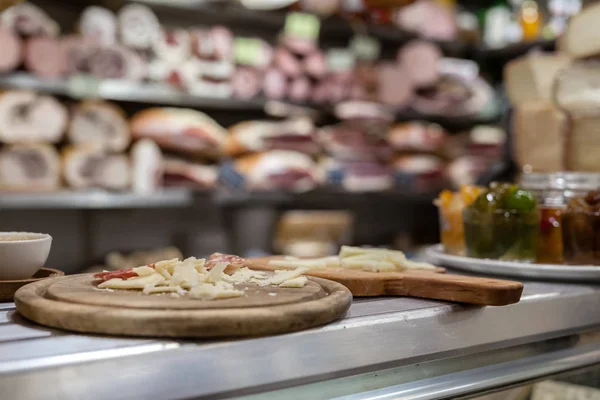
(166, 198)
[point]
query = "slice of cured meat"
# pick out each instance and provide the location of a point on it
(247, 83)
(179, 129)
(419, 59)
(215, 258)
(29, 167)
(101, 124)
(120, 274)
(30, 117)
(26, 20)
(45, 57)
(99, 24)
(274, 84)
(90, 167)
(138, 26)
(148, 167)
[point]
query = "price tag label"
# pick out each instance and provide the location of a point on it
(302, 25)
(365, 47)
(340, 60)
(467, 70)
(83, 86)
(247, 51)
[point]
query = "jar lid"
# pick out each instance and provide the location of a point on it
(577, 181)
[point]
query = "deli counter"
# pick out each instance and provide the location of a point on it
(384, 348)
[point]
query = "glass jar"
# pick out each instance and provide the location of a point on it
(553, 191)
(508, 235)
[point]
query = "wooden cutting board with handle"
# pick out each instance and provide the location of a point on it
(75, 303)
(424, 284)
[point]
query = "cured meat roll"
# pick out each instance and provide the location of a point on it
(100, 124)
(179, 172)
(353, 142)
(11, 49)
(357, 176)
(88, 167)
(27, 20)
(419, 172)
(419, 59)
(138, 26)
(454, 97)
(274, 84)
(393, 85)
(213, 44)
(255, 136)
(247, 83)
(45, 57)
(99, 24)
(31, 117)
(78, 51)
(287, 63)
(179, 129)
(115, 62)
(148, 167)
(278, 170)
(315, 65)
(173, 46)
(417, 136)
(29, 167)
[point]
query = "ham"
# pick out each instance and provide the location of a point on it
(180, 172)
(30, 117)
(29, 167)
(101, 124)
(27, 20)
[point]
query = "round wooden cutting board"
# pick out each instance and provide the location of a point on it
(75, 303)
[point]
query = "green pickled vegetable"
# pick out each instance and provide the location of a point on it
(520, 200)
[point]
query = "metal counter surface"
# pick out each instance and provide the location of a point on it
(377, 333)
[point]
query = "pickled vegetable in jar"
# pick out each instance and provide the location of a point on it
(550, 244)
(451, 206)
(581, 230)
(502, 223)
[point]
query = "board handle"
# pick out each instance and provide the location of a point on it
(459, 288)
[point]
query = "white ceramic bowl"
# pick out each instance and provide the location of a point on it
(20, 259)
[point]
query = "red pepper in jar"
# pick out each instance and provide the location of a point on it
(550, 246)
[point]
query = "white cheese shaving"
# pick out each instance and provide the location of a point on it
(161, 289)
(298, 282)
(282, 276)
(214, 275)
(243, 275)
(144, 271)
(132, 283)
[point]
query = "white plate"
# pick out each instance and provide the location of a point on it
(576, 273)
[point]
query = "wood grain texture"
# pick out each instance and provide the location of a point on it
(63, 303)
(9, 288)
(423, 284)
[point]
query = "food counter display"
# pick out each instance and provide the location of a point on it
(383, 348)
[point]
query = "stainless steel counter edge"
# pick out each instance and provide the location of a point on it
(385, 336)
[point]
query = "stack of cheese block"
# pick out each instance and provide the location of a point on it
(557, 115)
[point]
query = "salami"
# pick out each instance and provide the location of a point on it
(121, 274)
(274, 84)
(11, 50)
(138, 26)
(219, 258)
(315, 65)
(99, 24)
(45, 57)
(246, 83)
(419, 59)
(286, 62)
